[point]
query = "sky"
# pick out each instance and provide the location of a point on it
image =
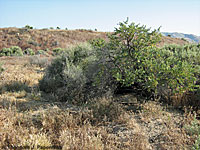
(104, 15)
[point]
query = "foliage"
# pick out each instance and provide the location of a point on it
(41, 52)
(72, 75)
(130, 50)
(136, 61)
(16, 51)
(29, 51)
(57, 51)
(6, 52)
(98, 43)
(179, 67)
(12, 51)
(194, 129)
(28, 27)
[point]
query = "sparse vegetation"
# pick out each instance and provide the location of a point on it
(28, 27)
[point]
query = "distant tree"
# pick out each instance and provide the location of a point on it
(51, 28)
(58, 28)
(28, 27)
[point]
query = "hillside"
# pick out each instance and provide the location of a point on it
(46, 38)
(188, 37)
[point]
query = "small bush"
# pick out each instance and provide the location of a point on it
(39, 61)
(28, 27)
(6, 52)
(14, 87)
(16, 51)
(57, 51)
(12, 51)
(40, 52)
(29, 51)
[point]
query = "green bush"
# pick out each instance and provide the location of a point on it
(98, 43)
(6, 52)
(12, 51)
(57, 51)
(28, 27)
(72, 75)
(130, 50)
(41, 52)
(194, 129)
(179, 67)
(16, 51)
(137, 62)
(29, 51)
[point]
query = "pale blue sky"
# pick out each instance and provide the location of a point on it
(173, 15)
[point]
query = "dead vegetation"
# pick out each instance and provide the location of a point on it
(43, 39)
(31, 119)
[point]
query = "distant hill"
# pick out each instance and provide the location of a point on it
(38, 39)
(189, 37)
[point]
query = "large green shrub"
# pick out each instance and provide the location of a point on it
(179, 67)
(137, 62)
(130, 50)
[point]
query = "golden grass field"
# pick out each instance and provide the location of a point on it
(31, 119)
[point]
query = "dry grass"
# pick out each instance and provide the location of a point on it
(38, 39)
(34, 120)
